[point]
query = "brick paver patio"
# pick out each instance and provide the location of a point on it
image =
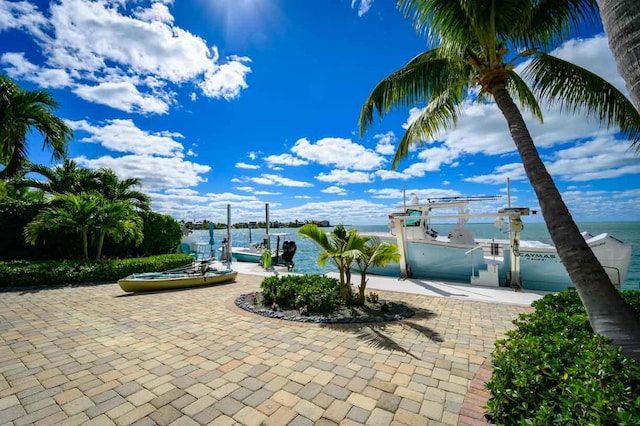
(98, 356)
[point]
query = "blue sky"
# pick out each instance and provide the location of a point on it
(211, 102)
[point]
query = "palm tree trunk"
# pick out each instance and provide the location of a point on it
(621, 19)
(363, 286)
(100, 244)
(85, 244)
(608, 313)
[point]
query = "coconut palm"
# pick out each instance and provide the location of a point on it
(70, 212)
(341, 247)
(22, 111)
(112, 188)
(64, 178)
(373, 252)
(476, 44)
(119, 220)
(621, 20)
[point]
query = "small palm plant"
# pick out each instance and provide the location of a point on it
(373, 252)
(341, 246)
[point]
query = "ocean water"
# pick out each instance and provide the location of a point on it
(307, 252)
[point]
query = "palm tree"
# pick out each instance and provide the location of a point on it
(64, 178)
(112, 188)
(474, 41)
(118, 220)
(373, 252)
(341, 247)
(621, 20)
(20, 112)
(71, 212)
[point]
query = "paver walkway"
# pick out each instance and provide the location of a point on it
(94, 355)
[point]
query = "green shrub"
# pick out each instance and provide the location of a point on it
(552, 369)
(20, 273)
(318, 293)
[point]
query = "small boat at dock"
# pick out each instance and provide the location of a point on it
(193, 276)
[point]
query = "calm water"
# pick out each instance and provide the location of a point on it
(307, 253)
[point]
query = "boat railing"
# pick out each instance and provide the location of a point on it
(473, 249)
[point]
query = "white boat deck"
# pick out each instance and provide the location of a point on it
(419, 286)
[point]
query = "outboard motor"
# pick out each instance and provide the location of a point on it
(288, 251)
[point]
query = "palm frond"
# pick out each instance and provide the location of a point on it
(573, 87)
(551, 20)
(442, 112)
(526, 98)
(426, 76)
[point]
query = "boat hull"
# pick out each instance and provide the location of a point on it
(540, 265)
(155, 281)
(245, 255)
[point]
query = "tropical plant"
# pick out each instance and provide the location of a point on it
(64, 178)
(22, 111)
(120, 221)
(474, 41)
(621, 20)
(88, 214)
(112, 188)
(340, 246)
(373, 252)
(76, 213)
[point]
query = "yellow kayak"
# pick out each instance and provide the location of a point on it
(154, 281)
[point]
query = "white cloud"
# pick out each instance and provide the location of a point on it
(155, 173)
(157, 12)
(129, 62)
(364, 6)
(122, 95)
(277, 180)
(345, 177)
(286, 159)
(242, 165)
(432, 160)
(21, 15)
(513, 171)
(599, 158)
(245, 188)
(391, 174)
(123, 136)
(334, 190)
(338, 152)
(385, 144)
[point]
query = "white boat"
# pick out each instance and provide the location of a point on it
(283, 254)
(457, 255)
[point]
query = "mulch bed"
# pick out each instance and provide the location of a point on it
(380, 311)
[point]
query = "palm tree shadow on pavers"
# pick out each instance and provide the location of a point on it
(378, 335)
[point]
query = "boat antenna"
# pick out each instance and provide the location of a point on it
(404, 197)
(228, 236)
(267, 241)
(508, 193)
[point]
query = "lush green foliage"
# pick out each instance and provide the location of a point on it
(162, 235)
(318, 293)
(552, 369)
(23, 112)
(20, 273)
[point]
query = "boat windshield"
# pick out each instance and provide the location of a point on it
(413, 222)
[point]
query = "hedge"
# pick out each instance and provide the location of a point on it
(553, 369)
(21, 273)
